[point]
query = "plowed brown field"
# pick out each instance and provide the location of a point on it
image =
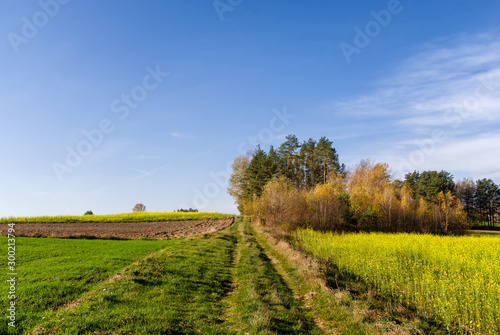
(133, 230)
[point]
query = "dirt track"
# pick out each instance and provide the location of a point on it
(157, 230)
(476, 231)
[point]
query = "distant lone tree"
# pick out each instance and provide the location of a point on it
(88, 213)
(139, 208)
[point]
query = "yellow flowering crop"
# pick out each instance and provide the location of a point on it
(455, 278)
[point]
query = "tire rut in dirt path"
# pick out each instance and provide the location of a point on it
(230, 300)
(279, 268)
(236, 256)
(261, 301)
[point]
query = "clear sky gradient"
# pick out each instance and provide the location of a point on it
(105, 104)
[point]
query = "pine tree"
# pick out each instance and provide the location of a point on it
(428, 184)
(466, 192)
(327, 158)
(487, 200)
(288, 153)
(256, 174)
(308, 166)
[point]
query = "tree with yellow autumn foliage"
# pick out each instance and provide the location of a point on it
(305, 186)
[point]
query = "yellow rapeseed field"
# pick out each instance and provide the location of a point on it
(125, 217)
(453, 278)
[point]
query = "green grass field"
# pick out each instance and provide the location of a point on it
(178, 291)
(215, 284)
(52, 272)
(125, 217)
(248, 280)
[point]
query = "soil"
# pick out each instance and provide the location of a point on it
(477, 231)
(125, 230)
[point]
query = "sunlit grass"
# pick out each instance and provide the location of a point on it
(262, 303)
(52, 272)
(179, 290)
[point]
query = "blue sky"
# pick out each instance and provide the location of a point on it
(105, 104)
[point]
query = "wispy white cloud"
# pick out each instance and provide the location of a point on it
(437, 86)
(452, 85)
(474, 156)
(182, 136)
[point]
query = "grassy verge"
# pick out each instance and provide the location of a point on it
(126, 217)
(177, 291)
(262, 303)
(339, 303)
(53, 272)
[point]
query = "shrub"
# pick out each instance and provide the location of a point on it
(281, 204)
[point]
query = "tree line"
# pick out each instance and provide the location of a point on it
(303, 184)
(304, 165)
